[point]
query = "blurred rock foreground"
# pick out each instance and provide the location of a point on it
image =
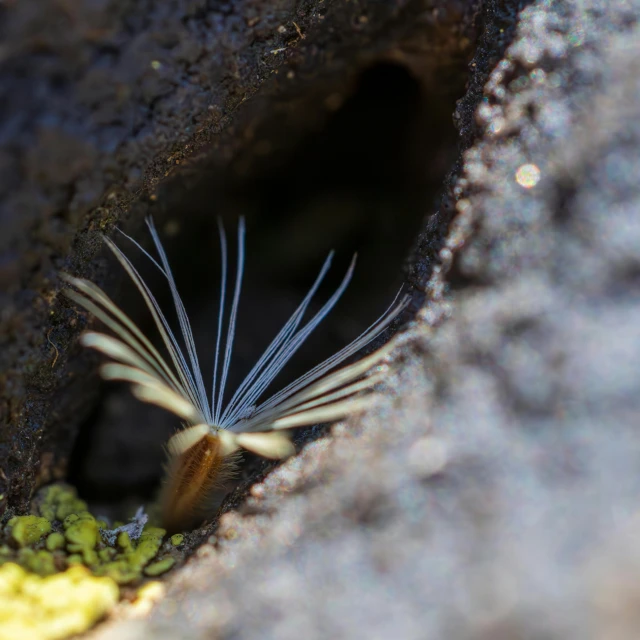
(495, 492)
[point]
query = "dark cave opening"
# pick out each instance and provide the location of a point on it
(361, 182)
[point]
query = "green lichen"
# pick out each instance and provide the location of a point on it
(120, 571)
(59, 501)
(124, 541)
(55, 541)
(41, 562)
(177, 539)
(160, 567)
(81, 534)
(128, 564)
(107, 554)
(148, 545)
(62, 533)
(61, 540)
(27, 530)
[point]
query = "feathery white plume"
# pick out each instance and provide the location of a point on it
(320, 395)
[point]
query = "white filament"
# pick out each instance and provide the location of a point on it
(318, 395)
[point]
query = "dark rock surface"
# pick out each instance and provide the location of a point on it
(103, 104)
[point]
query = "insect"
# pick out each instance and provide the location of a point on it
(204, 452)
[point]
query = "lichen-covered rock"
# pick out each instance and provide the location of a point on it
(130, 96)
(58, 502)
(53, 607)
(494, 492)
(48, 544)
(519, 378)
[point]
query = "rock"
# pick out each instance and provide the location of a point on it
(521, 364)
(530, 379)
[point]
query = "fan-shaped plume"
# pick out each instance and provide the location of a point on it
(203, 452)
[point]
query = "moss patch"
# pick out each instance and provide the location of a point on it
(61, 532)
(59, 575)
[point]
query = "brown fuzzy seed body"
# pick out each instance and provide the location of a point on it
(191, 478)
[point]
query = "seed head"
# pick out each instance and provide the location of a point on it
(205, 451)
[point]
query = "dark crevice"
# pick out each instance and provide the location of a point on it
(355, 163)
(360, 180)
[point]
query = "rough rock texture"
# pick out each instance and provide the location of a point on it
(496, 493)
(102, 104)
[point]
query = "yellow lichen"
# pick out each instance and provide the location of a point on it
(57, 606)
(38, 598)
(146, 597)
